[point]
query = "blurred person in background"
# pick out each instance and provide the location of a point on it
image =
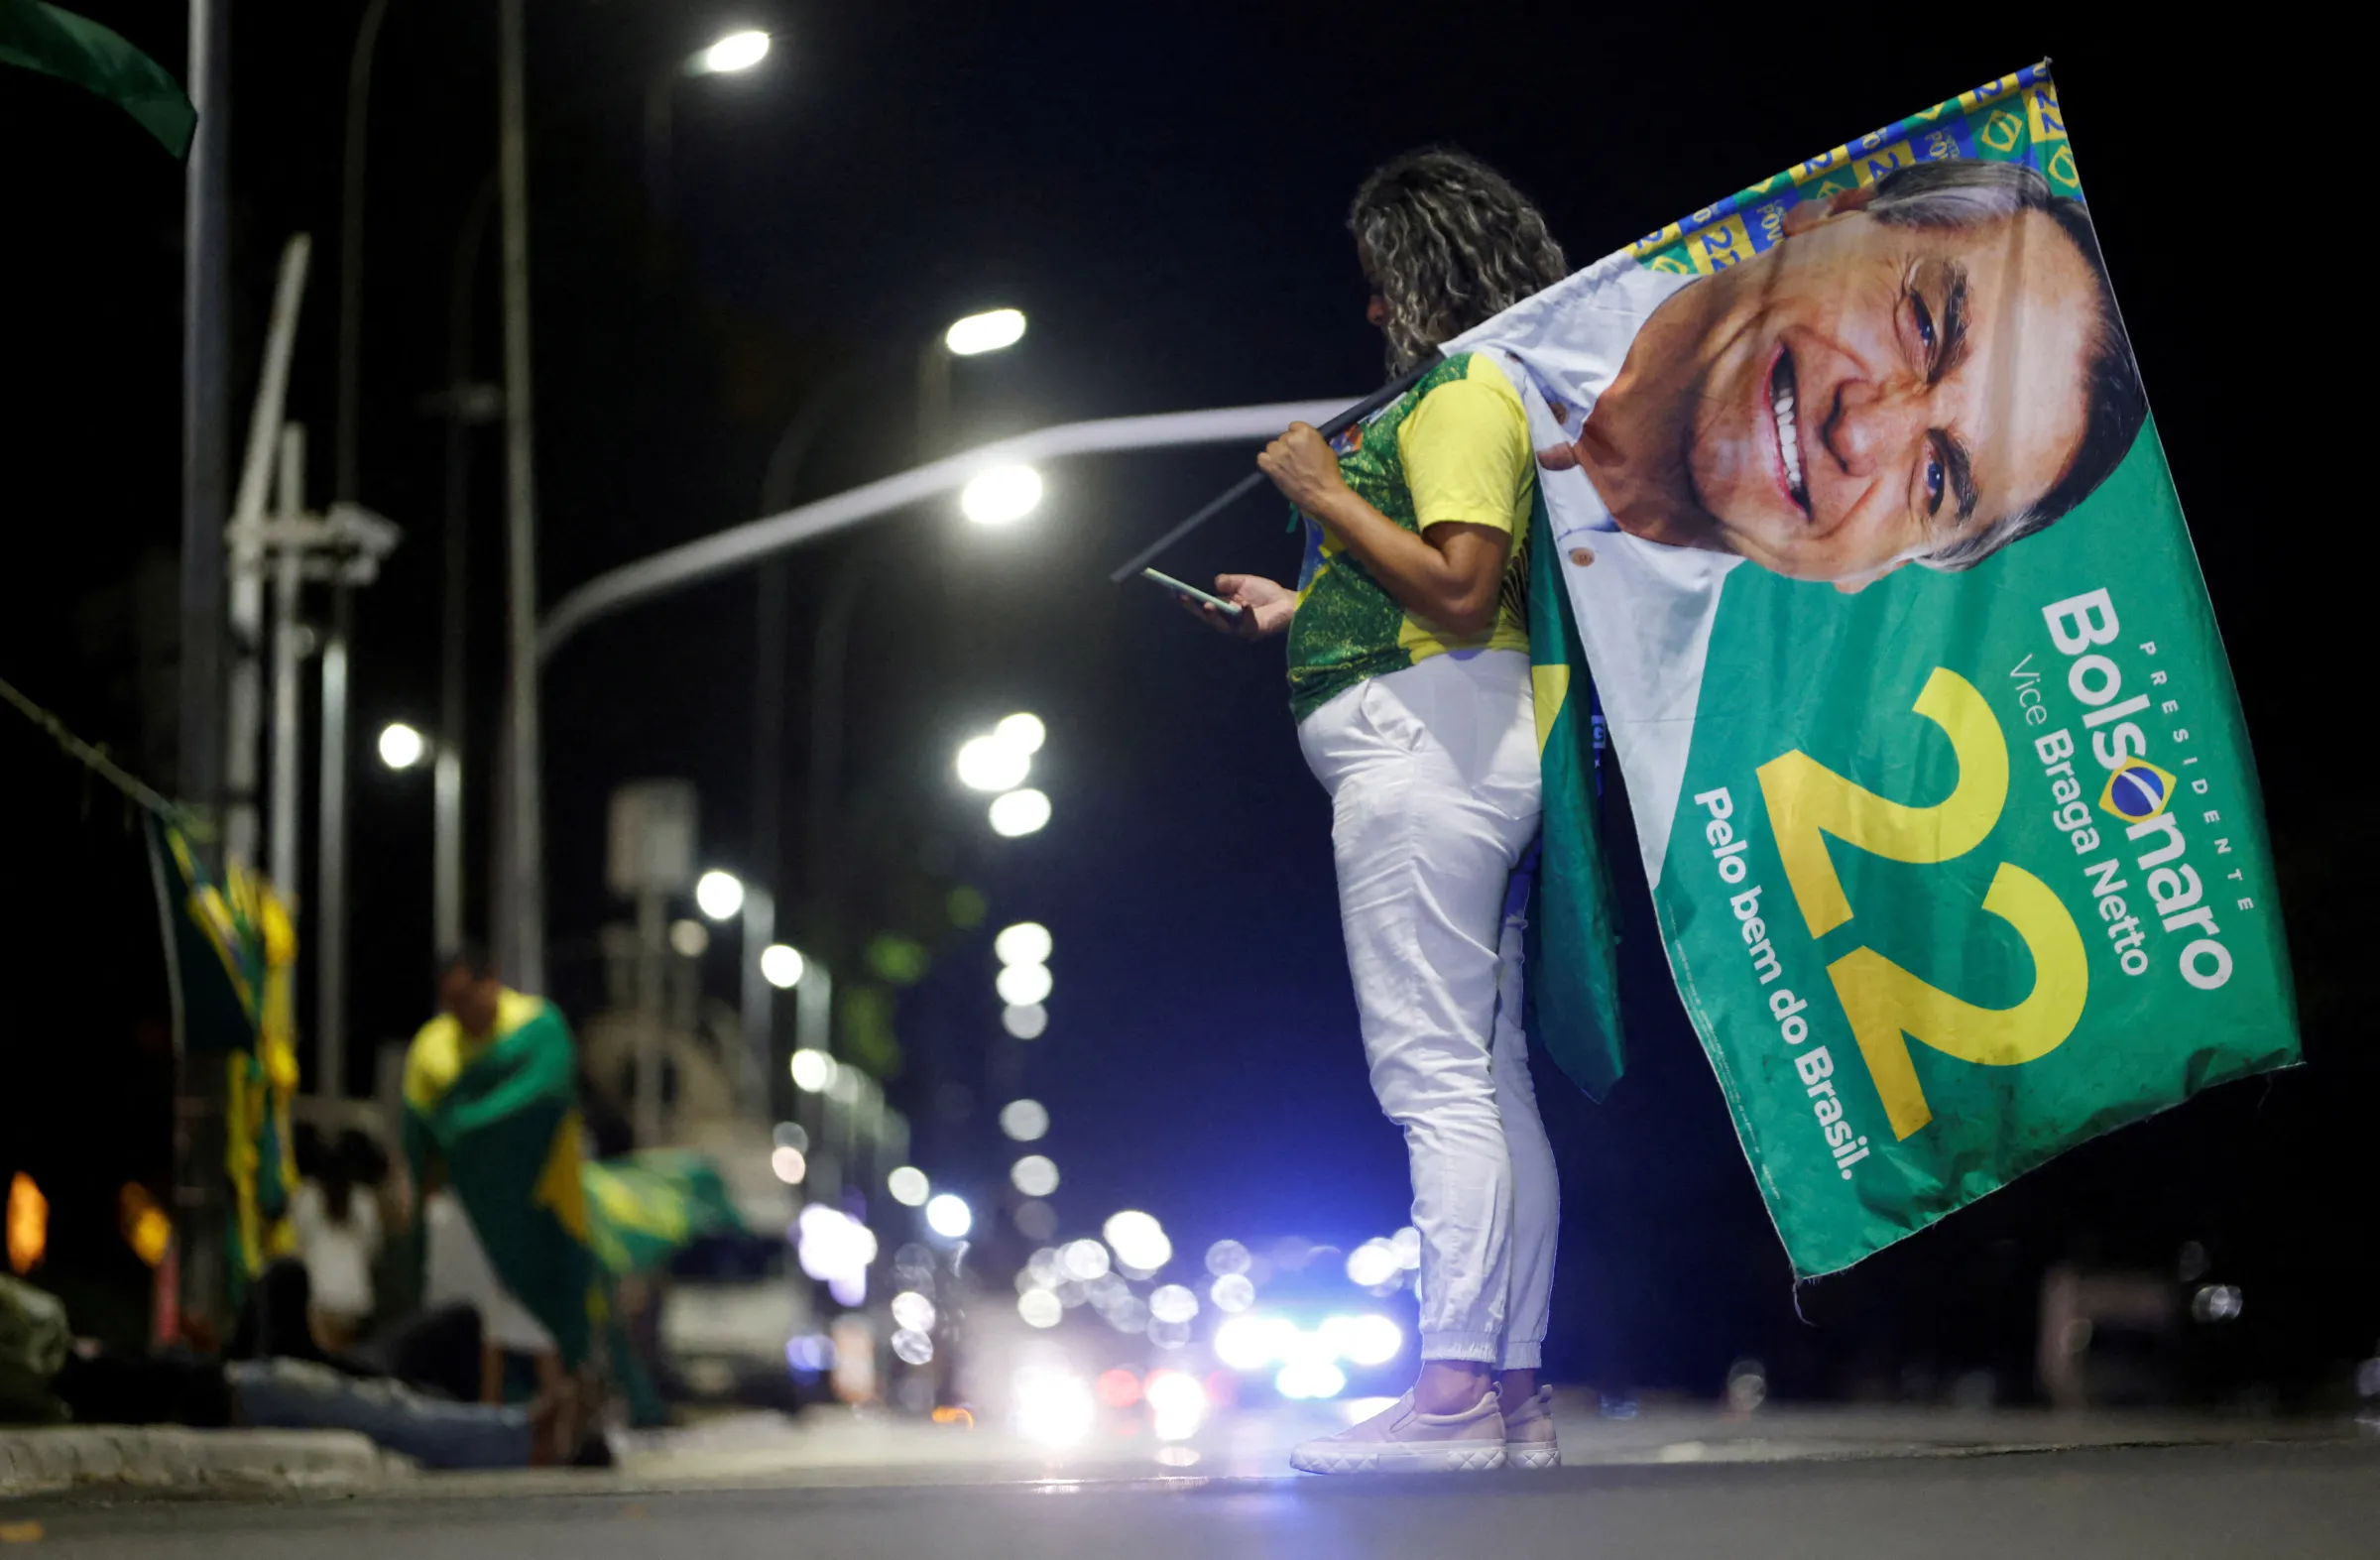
(494, 1135)
(336, 1219)
(1409, 679)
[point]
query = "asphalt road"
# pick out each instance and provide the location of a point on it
(2302, 1502)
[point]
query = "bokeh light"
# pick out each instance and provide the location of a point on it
(1027, 1020)
(401, 746)
(1026, 1121)
(1054, 1407)
(1232, 1292)
(781, 966)
(718, 895)
(1027, 942)
(1171, 1302)
(913, 1311)
(1176, 1404)
(908, 1186)
(1036, 1175)
(1040, 1308)
(1083, 1260)
(689, 940)
(1020, 984)
(1138, 1241)
(788, 1165)
(1373, 1264)
(1002, 495)
(948, 1216)
(1227, 1257)
(989, 763)
(1018, 813)
(813, 1071)
(988, 331)
(1021, 731)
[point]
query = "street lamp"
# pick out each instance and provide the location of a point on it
(403, 746)
(985, 333)
(719, 895)
(1002, 495)
(730, 56)
(1020, 813)
(782, 966)
(736, 52)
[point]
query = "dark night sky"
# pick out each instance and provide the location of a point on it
(1164, 195)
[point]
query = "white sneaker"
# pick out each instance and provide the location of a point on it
(1402, 1439)
(1529, 1433)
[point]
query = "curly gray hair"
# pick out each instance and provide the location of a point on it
(1446, 242)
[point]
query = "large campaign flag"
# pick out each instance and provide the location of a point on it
(1855, 505)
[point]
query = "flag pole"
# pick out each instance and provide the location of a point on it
(1239, 489)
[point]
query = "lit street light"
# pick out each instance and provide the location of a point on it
(739, 52)
(813, 1071)
(1002, 495)
(1027, 942)
(908, 1186)
(782, 966)
(401, 746)
(1022, 984)
(985, 333)
(989, 763)
(719, 895)
(1018, 813)
(948, 1216)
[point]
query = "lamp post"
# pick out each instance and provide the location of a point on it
(730, 56)
(519, 921)
(973, 335)
(403, 746)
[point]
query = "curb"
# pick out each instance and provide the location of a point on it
(177, 1460)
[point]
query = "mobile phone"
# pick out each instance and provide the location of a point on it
(1230, 609)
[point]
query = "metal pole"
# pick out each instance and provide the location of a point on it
(244, 718)
(826, 733)
(351, 248)
(447, 911)
(289, 560)
(759, 1006)
(738, 547)
(198, 1224)
(207, 306)
(651, 1014)
(524, 925)
(330, 864)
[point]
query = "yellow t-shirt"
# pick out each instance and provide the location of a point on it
(1454, 450)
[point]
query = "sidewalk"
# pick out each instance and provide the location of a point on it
(165, 1458)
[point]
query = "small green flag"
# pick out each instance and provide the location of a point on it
(644, 1208)
(77, 48)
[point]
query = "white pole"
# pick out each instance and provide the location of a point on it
(287, 563)
(759, 1007)
(244, 725)
(738, 547)
(522, 926)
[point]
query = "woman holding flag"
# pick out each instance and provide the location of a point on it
(1409, 678)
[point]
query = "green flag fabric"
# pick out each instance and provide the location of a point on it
(232, 953)
(57, 43)
(1573, 983)
(644, 1208)
(498, 1117)
(1939, 779)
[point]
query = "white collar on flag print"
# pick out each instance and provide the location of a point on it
(1573, 337)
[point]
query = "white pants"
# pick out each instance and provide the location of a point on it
(1433, 780)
